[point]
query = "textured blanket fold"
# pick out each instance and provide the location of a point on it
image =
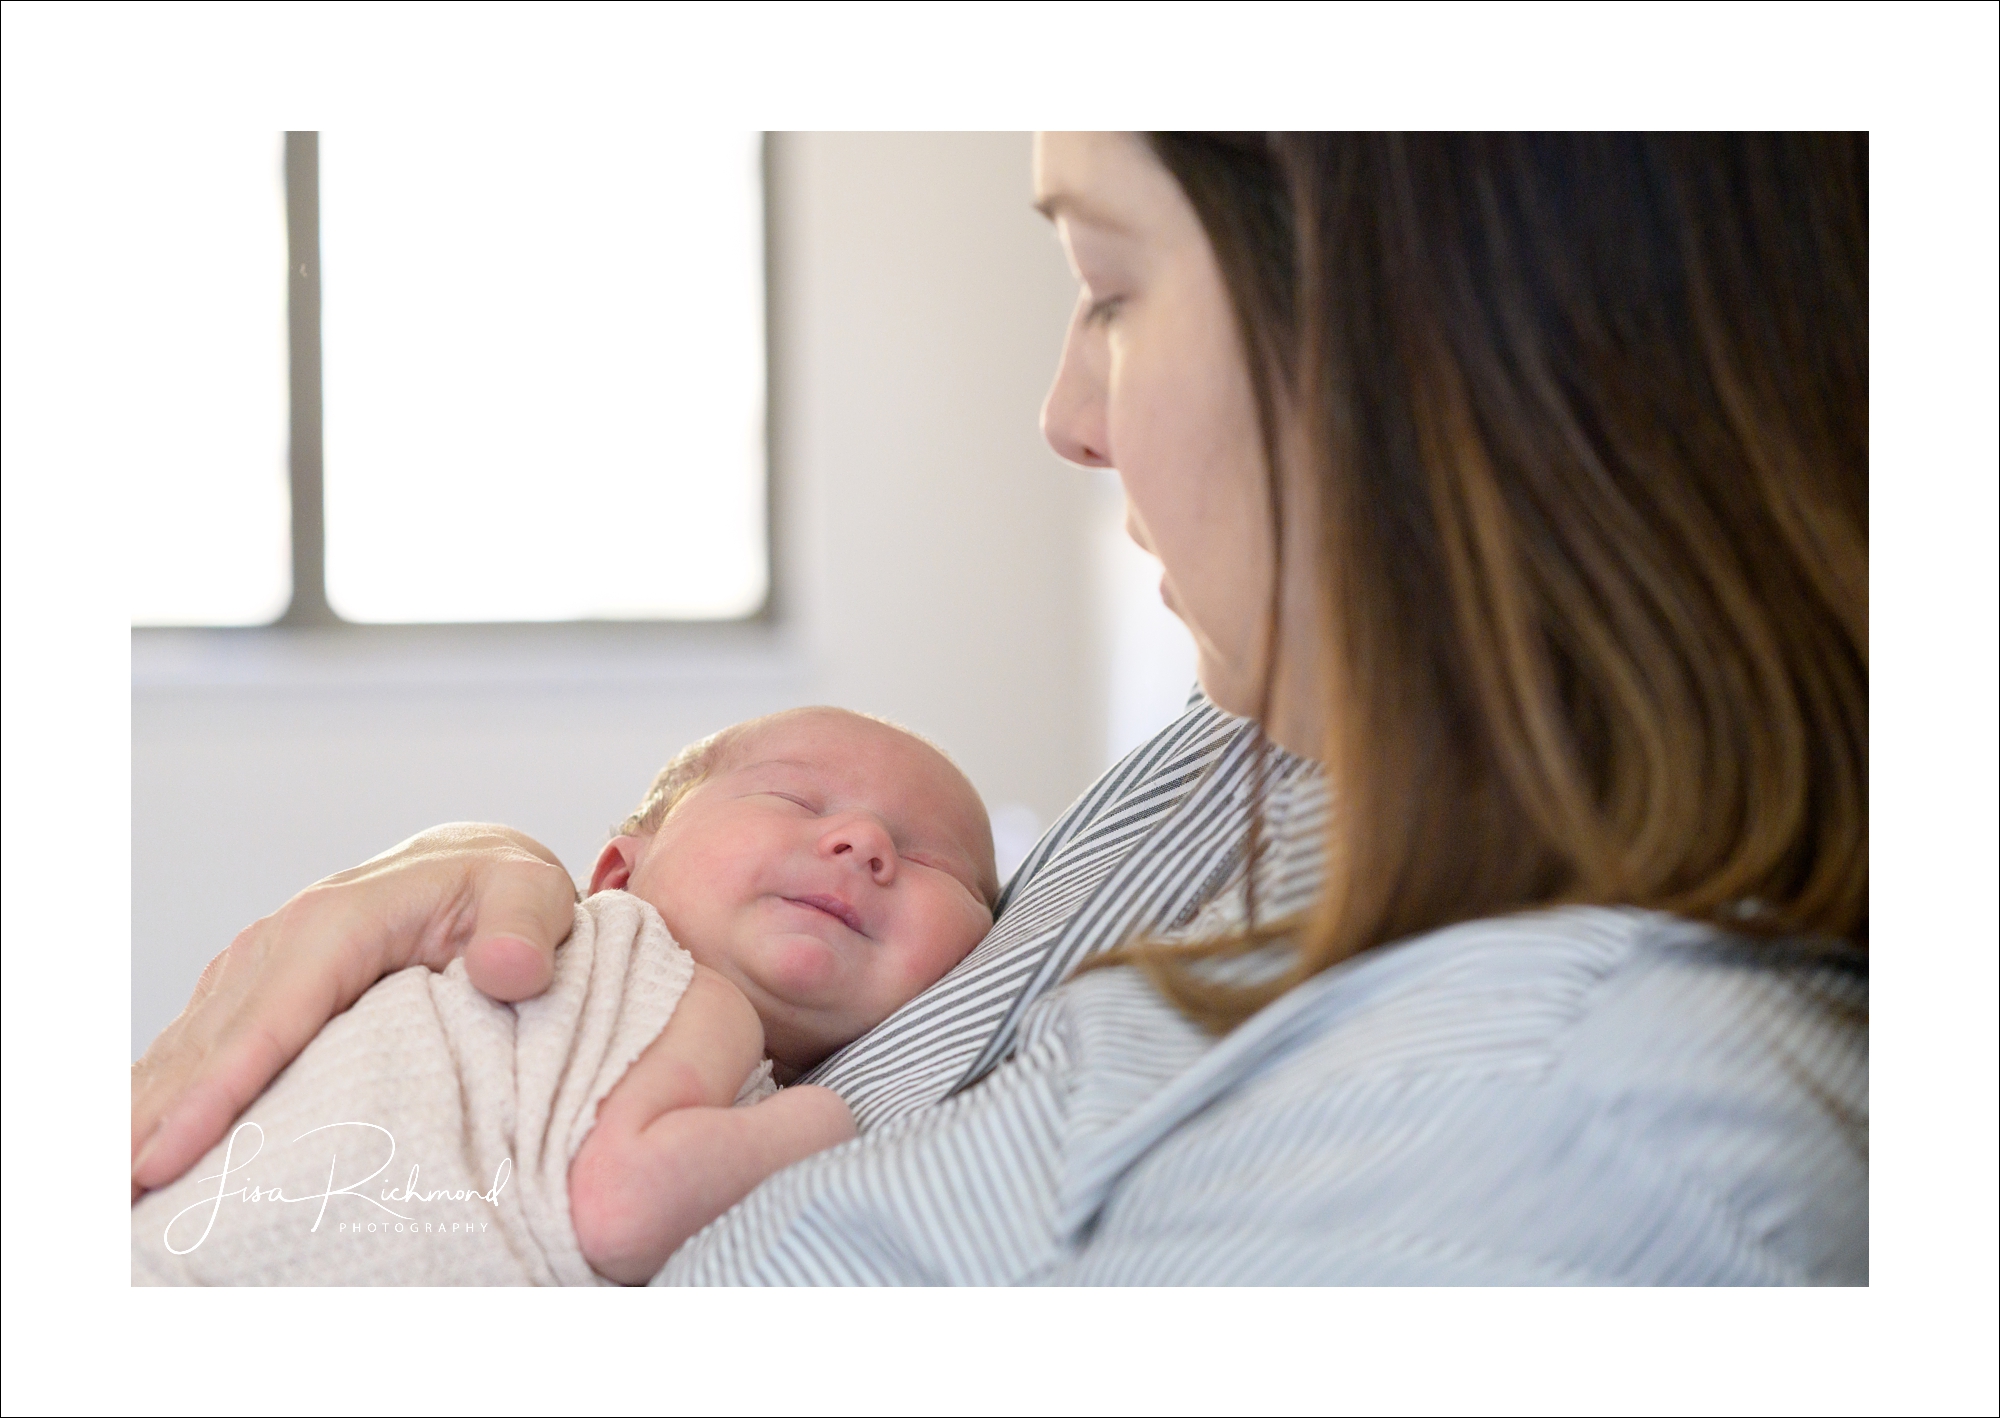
(425, 1137)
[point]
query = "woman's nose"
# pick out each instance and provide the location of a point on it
(1073, 418)
(859, 840)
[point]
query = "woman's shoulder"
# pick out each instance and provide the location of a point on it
(1620, 1095)
(1618, 986)
(1658, 1022)
(1578, 1095)
(1687, 999)
(1736, 1070)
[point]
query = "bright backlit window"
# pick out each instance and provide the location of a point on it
(211, 511)
(542, 385)
(544, 375)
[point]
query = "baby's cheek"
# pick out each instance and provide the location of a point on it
(948, 938)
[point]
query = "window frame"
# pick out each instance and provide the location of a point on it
(169, 650)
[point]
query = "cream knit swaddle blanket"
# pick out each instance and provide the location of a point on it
(425, 1137)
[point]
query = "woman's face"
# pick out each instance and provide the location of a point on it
(1154, 384)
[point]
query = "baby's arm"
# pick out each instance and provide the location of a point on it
(669, 1153)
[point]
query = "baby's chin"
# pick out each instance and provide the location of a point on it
(806, 994)
(800, 969)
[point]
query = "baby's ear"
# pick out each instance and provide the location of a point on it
(615, 863)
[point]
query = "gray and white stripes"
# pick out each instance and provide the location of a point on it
(1587, 1096)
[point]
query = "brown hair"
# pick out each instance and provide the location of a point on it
(1587, 421)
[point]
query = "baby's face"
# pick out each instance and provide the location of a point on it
(831, 867)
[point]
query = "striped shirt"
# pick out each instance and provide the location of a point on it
(1574, 1096)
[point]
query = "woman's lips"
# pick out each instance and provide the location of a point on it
(834, 907)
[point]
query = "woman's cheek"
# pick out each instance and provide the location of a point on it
(1162, 466)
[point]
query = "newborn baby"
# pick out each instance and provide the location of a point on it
(822, 869)
(814, 870)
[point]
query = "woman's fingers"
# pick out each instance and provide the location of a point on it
(524, 912)
(489, 891)
(260, 1002)
(171, 1057)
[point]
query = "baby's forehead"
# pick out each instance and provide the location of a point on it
(851, 748)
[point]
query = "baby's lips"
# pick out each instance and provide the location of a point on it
(834, 907)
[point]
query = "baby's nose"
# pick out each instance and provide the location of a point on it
(861, 841)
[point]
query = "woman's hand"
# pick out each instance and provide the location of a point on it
(498, 896)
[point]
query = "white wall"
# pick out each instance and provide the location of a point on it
(936, 564)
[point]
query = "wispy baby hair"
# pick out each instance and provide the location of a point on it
(686, 770)
(683, 772)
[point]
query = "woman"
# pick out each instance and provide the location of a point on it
(1516, 489)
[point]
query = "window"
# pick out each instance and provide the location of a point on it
(528, 384)
(212, 541)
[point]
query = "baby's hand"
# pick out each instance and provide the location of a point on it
(818, 1114)
(669, 1153)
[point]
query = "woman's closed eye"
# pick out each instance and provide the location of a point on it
(1100, 312)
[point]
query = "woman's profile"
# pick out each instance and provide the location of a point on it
(1499, 912)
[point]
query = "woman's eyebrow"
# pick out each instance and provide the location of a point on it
(1060, 204)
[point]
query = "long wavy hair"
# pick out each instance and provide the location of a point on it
(1587, 432)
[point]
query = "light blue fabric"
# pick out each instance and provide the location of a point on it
(1575, 1096)
(1590, 1097)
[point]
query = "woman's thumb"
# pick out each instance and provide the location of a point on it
(525, 912)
